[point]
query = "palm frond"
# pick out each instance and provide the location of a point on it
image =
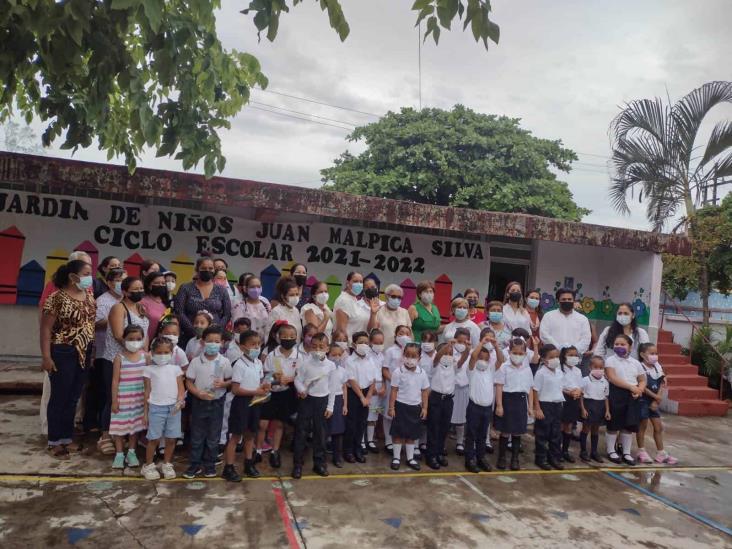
(689, 112)
(648, 115)
(719, 141)
(724, 167)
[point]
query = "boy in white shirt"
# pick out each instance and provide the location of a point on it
(164, 398)
(595, 408)
(246, 382)
(548, 405)
(361, 388)
(481, 371)
(313, 381)
(207, 379)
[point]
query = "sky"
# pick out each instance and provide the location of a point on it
(564, 68)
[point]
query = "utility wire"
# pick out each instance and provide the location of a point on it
(302, 113)
(321, 103)
(301, 118)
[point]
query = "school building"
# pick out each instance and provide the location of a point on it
(50, 206)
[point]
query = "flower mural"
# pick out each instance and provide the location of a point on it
(547, 301)
(588, 305)
(639, 308)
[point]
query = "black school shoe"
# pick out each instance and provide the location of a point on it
(594, 456)
(320, 469)
(371, 447)
(472, 466)
(442, 460)
(414, 464)
(360, 458)
(432, 463)
(297, 472)
(229, 474)
(566, 457)
(460, 450)
(628, 460)
(209, 472)
(274, 459)
(250, 470)
(192, 472)
(543, 465)
(584, 456)
(556, 465)
(616, 459)
(484, 465)
(349, 458)
(395, 463)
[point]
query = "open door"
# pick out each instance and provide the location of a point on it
(503, 273)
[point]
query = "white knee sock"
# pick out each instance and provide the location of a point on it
(370, 432)
(409, 448)
(396, 451)
(387, 428)
(460, 434)
(610, 440)
(626, 440)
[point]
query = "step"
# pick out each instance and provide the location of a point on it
(706, 407)
(686, 380)
(669, 348)
(665, 336)
(666, 358)
(687, 392)
(681, 369)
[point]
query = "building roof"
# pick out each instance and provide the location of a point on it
(269, 202)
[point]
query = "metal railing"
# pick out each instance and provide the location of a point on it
(680, 310)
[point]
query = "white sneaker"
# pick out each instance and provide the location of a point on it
(168, 471)
(150, 472)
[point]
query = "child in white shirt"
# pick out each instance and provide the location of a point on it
(201, 322)
(549, 396)
(595, 408)
(392, 361)
(379, 400)
(339, 390)
(570, 360)
(361, 388)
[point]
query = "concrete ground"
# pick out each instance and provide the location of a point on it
(82, 502)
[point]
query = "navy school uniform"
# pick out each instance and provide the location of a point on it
(654, 382)
(480, 407)
(361, 371)
(625, 411)
(594, 393)
(571, 410)
(440, 405)
(548, 385)
(517, 382)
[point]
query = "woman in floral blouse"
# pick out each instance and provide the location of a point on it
(199, 295)
(67, 334)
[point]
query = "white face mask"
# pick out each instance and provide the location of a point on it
(572, 361)
(516, 360)
(172, 338)
(322, 298)
(623, 320)
(162, 360)
(318, 355)
(428, 347)
(552, 363)
(427, 297)
(342, 344)
(403, 340)
(293, 300)
(488, 346)
(481, 365)
(133, 346)
(377, 348)
(459, 347)
(410, 363)
(362, 349)
(447, 361)
(170, 286)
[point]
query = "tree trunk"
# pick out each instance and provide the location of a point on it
(704, 291)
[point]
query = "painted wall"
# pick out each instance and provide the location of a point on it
(602, 277)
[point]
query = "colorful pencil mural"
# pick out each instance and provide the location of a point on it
(11, 243)
(30, 283)
(92, 250)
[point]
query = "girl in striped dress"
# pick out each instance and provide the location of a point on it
(128, 397)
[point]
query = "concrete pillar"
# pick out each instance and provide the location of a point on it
(656, 297)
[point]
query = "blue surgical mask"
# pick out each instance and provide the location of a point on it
(253, 353)
(118, 288)
(85, 282)
(495, 316)
(461, 314)
(532, 302)
(394, 302)
(211, 348)
(357, 288)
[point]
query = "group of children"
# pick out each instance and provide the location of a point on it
(233, 390)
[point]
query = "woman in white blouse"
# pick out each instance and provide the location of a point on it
(316, 311)
(624, 323)
(515, 314)
(392, 314)
(350, 316)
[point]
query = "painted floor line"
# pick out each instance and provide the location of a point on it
(285, 517)
(24, 477)
(497, 506)
(682, 509)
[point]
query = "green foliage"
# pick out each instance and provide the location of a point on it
(680, 275)
(707, 356)
(457, 158)
(128, 73)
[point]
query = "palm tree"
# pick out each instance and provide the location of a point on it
(653, 143)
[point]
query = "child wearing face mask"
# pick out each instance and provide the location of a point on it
(460, 313)
(650, 402)
(308, 331)
(288, 297)
(241, 326)
(361, 389)
(280, 365)
(201, 322)
(627, 379)
(461, 352)
(169, 328)
(339, 390)
(481, 372)
(247, 382)
(164, 399)
(407, 406)
(340, 338)
(427, 363)
(595, 408)
(128, 397)
(313, 381)
(392, 361)
(514, 396)
(207, 379)
(570, 360)
(497, 323)
(379, 401)
(549, 399)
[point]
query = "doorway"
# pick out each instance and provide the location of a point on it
(503, 273)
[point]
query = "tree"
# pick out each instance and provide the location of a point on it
(653, 148)
(457, 158)
(132, 74)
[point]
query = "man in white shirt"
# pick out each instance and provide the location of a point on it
(565, 327)
(313, 380)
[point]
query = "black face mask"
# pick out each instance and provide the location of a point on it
(566, 306)
(205, 276)
(300, 279)
(515, 296)
(371, 293)
(135, 297)
(288, 344)
(473, 302)
(159, 291)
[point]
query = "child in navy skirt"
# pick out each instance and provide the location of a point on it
(570, 360)
(408, 405)
(595, 408)
(337, 422)
(514, 399)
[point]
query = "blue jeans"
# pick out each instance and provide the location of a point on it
(163, 422)
(206, 419)
(67, 383)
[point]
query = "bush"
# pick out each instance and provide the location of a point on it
(703, 354)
